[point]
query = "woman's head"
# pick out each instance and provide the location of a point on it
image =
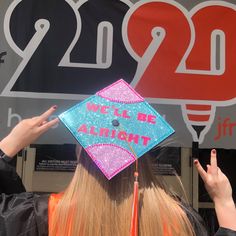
(93, 205)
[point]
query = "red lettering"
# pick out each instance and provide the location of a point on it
(113, 133)
(116, 112)
(92, 107)
(122, 135)
(104, 132)
(134, 138)
(141, 117)
(104, 109)
(146, 118)
(92, 131)
(125, 114)
(83, 128)
(145, 140)
(151, 119)
(232, 125)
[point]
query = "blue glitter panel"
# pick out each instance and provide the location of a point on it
(109, 127)
(143, 126)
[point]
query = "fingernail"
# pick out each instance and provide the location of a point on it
(54, 107)
(195, 161)
(213, 151)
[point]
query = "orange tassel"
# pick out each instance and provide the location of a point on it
(134, 219)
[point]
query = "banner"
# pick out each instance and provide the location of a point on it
(179, 55)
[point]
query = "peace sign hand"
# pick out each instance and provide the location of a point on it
(27, 131)
(216, 183)
(219, 188)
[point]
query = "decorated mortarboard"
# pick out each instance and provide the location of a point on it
(115, 127)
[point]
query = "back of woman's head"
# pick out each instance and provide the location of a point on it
(93, 205)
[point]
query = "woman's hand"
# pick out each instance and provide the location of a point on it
(216, 183)
(26, 132)
(220, 190)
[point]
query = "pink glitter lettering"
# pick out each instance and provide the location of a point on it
(83, 128)
(133, 137)
(104, 132)
(151, 119)
(145, 140)
(141, 116)
(104, 109)
(92, 107)
(92, 131)
(122, 135)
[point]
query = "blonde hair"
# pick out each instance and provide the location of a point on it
(94, 206)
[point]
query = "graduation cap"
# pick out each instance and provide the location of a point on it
(116, 126)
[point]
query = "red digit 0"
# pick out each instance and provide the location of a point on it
(159, 74)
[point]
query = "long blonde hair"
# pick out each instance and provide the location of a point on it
(94, 206)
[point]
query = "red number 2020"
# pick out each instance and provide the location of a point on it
(183, 55)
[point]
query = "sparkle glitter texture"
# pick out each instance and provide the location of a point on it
(111, 159)
(140, 127)
(120, 91)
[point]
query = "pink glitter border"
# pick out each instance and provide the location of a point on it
(104, 171)
(117, 100)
